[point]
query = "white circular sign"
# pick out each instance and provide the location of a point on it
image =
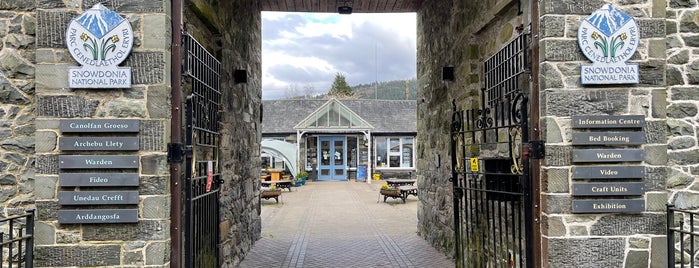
(608, 36)
(99, 38)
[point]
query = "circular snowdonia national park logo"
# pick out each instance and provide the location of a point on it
(608, 36)
(99, 37)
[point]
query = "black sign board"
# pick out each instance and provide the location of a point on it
(608, 189)
(97, 179)
(97, 197)
(609, 205)
(607, 155)
(609, 172)
(609, 138)
(608, 121)
(98, 144)
(98, 125)
(98, 216)
(97, 161)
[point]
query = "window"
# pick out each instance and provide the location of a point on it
(394, 152)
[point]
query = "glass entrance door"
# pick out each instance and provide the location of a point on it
(331, 152)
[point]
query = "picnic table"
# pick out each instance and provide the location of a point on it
(281, 184)
(403, 188)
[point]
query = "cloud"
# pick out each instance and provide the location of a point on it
(308, 49)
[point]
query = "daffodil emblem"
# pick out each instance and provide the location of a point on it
(99, 53)
(609, 48)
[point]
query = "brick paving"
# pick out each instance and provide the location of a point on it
(341, 224)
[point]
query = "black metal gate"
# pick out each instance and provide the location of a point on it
(17, 241)
(202, 183)
(490, 166)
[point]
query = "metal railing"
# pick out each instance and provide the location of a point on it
(17, 241)
(682, 235)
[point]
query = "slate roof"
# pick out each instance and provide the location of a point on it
(386, 116)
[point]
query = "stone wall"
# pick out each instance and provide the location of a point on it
(17, 117)
(232, 30)
(682, 76)
(35, 97)
(461, 34)
(682, 26)
(138, 244)
(611, 239)
(451, 33)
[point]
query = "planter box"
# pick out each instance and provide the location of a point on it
(390, 192)
(267, 194)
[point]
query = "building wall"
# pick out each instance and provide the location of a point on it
(35, 97)
(461, 34)
(17, 98)
(611, 239)
(240, 24)
(148, 241)
(452, 33)
(682, 97)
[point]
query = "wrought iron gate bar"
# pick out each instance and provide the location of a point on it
(491, 217)
(202, 185)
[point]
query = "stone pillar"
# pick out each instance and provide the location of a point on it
(602, 239)
(231, 30)
(459, 34)
(147, 101)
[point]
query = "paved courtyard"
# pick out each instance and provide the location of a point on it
(341, 224)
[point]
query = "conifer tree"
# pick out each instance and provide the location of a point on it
(339, 88)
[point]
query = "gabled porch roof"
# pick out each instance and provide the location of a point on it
(333, 116)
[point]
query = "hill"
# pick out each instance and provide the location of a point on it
(390, 90)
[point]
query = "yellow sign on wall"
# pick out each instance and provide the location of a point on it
(474, 164)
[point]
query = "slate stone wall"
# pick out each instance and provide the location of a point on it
(461, 34)
(17, 97)
(682, 79)
(451, 33)
(148, 241)
(613, 239)
(34, 98)
(231, 30)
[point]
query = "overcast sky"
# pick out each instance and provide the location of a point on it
(304, 50)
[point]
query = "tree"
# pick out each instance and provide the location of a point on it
(340, 89)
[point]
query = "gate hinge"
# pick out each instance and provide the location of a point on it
(537, 150)
(176, 152)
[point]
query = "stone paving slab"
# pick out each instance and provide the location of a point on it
(341, 224)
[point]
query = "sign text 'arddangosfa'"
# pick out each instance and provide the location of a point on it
(609, 172)
(609, 205)
(97, 161)
(98, 198)
(98, 179)
(100, 39)
(608, 38)
(98, 144)
(99, 126)
(608, 121)
(98, 216)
